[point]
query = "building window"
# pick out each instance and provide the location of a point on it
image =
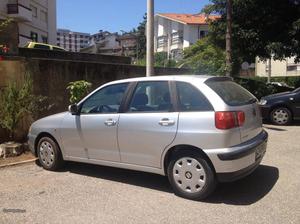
(291, 68)
(44, 16)
(202, 33)
(34, 11)
(45, 39)
(34, 36)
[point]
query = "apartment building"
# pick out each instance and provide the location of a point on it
(71, 40)
(175, 32)
(35, 19)
(287, 67)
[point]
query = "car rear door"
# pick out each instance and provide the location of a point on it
(149, 124)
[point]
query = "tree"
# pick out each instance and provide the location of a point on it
(204, 58)
(5, 23)
(228, 37)
(141, 38)
(269, 28)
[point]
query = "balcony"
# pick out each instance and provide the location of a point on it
(177, 38)
(19, 12)
(162, 43)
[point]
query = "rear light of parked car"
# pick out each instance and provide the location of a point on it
(229, 119)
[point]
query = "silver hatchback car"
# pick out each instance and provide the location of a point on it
(197, 130)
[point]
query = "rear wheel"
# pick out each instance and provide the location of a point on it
(191, 175)
(49, 154)
(281, 116)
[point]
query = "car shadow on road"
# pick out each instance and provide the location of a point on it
(247, 190)
(141, 179)
(242, 192)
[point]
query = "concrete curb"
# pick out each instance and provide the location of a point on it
(18, 163)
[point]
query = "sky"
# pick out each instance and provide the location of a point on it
(90, 16)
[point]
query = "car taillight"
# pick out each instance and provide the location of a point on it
(229, 119)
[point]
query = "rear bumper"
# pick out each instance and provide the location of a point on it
(265, 111)
(229, 177)
(238, 161)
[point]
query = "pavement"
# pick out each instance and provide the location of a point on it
(83, 193)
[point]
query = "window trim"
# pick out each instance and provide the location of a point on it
(80, 105)
(132, 91)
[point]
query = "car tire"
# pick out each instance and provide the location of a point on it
(49, 154)
(194, 179)
(281, 116)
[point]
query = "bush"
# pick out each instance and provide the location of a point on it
(17, 101)
(78, 90)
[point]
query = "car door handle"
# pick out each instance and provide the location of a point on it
(110, 122)
(166, 122)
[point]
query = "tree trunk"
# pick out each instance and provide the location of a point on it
(228, 38)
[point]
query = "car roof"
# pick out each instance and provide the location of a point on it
(183, 77)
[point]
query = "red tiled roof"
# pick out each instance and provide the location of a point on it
(192, 19)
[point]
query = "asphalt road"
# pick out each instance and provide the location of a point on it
(94, 194)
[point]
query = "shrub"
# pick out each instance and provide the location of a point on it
(78, 90)
(17, 101)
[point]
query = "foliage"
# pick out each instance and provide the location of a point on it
(5, 23)
(260, 28)
(161, 60)
(78, 90)
(141, 38)
(17, 101)
(204, 58)
(257, 88)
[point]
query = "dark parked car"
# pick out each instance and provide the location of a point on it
(281, 108)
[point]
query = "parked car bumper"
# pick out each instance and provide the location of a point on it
(240, 160)
(265, 111)
(31, 141)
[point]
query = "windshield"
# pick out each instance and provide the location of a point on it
(232, 93)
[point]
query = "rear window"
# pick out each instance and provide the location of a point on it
(40, 46)
(232, 93)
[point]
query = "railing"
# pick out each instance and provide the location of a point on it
(162, 41)
(177, 38)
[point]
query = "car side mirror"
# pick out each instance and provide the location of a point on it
(73, 109)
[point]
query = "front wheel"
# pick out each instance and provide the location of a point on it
(49, 154)
(281, 116)
(191, 176)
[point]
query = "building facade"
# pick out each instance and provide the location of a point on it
(71, 40)
(175, 32)
(287, 67)
(105, 42)
(35, 19)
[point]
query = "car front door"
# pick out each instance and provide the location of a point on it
(96, 126)
(149, 125)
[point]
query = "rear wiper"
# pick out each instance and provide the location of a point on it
(252, 100)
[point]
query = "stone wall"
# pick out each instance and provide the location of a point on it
(51, 77)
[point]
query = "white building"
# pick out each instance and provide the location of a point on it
(103, 42)
(174, 32)
(36, 19)
(72, 41)
(286, 67)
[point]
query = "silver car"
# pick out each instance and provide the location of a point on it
(197, 130)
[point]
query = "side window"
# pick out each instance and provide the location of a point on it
(191, 99)
(106, 100)
(151, 97)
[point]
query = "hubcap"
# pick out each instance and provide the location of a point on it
(189, 175)
(46, 153)
(280, 116)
